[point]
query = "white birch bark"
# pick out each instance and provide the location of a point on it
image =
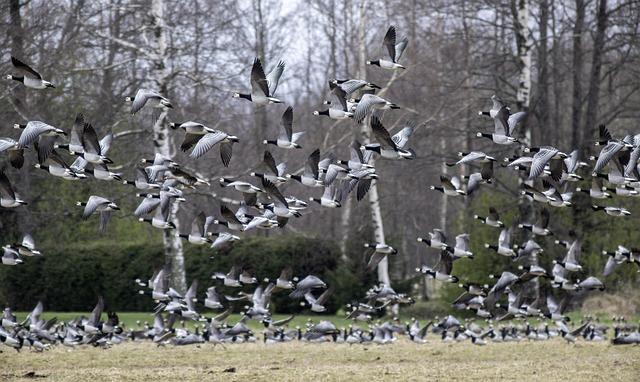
(163, 142)
(374, 200)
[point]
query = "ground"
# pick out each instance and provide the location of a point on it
(403, 360)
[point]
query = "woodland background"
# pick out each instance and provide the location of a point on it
(583, 58)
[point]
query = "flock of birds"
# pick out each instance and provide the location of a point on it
(161, 182)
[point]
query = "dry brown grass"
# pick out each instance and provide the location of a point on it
(550, 360)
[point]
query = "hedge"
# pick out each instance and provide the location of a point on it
(71, 278)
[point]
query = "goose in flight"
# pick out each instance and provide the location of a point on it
(504, 123)
(263, 87)
(8, 197)
(338, 108)
(35, 129)
(311, 175)
(395, 50)
(146, 97)
(30, 77)
(277, 175)
(287, 138)
(15, 154)
(492, 219)
(377, 252)
(504, 244)
(542, 157)
(388, 147)
(352, 85)
(449, 186)
(98, 204)
(368, 103)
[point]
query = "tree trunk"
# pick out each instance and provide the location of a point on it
(596, 68)
(163, 142)
(578, 65)
(374, 199)
(542, 108)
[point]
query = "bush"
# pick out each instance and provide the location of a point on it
(70, 279)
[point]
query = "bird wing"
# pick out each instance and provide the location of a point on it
(226, 151)
(474, 182)
(514, 120)
(228, 214)
(338, 97)
(400, 47)
(606, 154)
(401, 138)
(274, 77)
(363, 187)
(287, 124)
(207, 142)
(374, 260)
(270, 162)
(501, 122)
(77, 130)
(493, 214)
(540, 160)
(462, 241)
(324, 297)
(381, 134)
(92, 204)
(94, 318)
(505, 238)
(274, 192)
(311, 167)
(147, 205)
(25, 68)
(197, 226)
(365, 105)
(574, 252)
(390, 42)
(351, 86)
(259, 82)
(89, 139)
(142, 95)
(32, 131)
(189, 141)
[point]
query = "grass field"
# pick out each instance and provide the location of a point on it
(401, 361)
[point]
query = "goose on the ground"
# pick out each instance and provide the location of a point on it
(263, 87)
(395, 50)
(30, 77)
(287, 138)
(101, 205)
